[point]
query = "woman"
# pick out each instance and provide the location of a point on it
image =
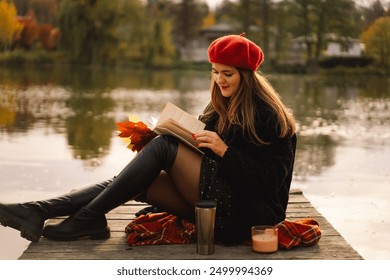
(249, 143)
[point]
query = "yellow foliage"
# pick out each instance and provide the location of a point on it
(9, 26)
(7, 117)
(377, 41)
(209, 20)
(7, 108)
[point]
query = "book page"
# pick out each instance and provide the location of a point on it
(170, 128)
(176, 122)
(186, 120)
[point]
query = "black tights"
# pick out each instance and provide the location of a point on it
(177, 190)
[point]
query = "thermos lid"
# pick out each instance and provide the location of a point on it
(206, 204)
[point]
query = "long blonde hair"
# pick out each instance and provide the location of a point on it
(240, 109)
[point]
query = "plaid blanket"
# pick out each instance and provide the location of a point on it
(160, 228)
(303, 232)
(165, 228)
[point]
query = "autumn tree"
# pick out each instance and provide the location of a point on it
(377, 41)
(209, 20)
(45, 11)
(373, 12)
(9, 26)
(30, 32)
(22, 6)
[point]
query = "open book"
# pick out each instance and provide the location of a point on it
(176, 122)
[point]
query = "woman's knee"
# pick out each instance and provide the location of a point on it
(165, 148)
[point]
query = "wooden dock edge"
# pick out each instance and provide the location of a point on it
(332, 246)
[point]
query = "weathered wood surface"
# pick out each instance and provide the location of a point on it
(331, 246)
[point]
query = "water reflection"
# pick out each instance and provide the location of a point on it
(83, 103)
(332, 111)
(89, 127)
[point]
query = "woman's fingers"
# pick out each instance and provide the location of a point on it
(211, 140)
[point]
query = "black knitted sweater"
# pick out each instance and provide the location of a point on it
(260, 175)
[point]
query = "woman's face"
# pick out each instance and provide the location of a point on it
(227, 78)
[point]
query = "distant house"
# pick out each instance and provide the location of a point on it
(211, 33)
(343, 47)
(196, 51)
(352, 48)
(335, 47)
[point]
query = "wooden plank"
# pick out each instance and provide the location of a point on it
(331, 246)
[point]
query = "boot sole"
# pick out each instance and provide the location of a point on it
(27, 230)
(91, 234)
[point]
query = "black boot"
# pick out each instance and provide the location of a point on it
(30, 217)
(133, 180)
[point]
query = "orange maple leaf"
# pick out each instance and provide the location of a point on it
(138, 133)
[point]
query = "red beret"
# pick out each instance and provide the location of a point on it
(237, 51)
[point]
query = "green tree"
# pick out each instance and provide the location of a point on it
(318, 19)
(254, 17)
(256, 20)
(9, 26)
(282, 37)
(377, 41)
(89, 28)
(188, 18)
(332, 17)
(229, 12)
(303, 27)
(158, 48)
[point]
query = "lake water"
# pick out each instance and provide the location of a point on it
(57, 132)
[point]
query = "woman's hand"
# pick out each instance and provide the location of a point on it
(211, 140)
